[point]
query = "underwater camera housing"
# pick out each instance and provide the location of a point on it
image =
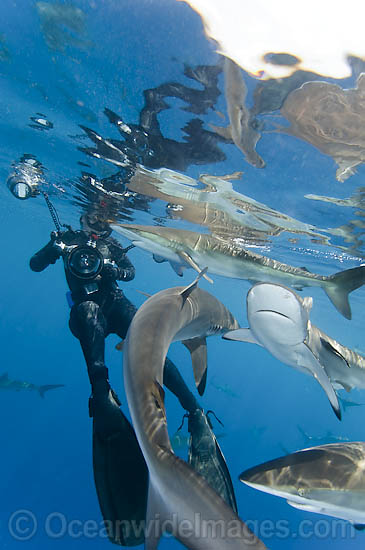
(84, 261)
(26, 178)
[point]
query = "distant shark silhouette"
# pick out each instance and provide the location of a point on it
(18, 385)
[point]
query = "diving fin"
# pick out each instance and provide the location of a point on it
(206, 457)
(120, 474)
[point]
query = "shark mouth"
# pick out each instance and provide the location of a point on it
(273, 311)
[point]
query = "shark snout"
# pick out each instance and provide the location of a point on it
(275, 313)
(276, 327)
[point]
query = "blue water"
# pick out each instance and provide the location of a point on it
(47, 493)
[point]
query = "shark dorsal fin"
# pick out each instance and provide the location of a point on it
(198, 352)
(345, 386)
(187, 290)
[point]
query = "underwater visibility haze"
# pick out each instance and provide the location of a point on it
(123, 112)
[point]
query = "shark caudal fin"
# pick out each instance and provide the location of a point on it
(341, 284)
(42, 389)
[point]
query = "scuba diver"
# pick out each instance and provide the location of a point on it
(93, 263)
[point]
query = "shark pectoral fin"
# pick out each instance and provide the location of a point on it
(155, 518)
(159, 259)
(333, 350)
(198, 351)
(178, 268)
(189, 260)
(241, 335)
(344, 385)
(314, 366)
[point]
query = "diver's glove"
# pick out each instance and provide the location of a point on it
(111, 272)
(124, 274)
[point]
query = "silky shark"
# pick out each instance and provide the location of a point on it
(240, 130)
(18, 385)
(180, 501)
(328, 479)
(189, 249)
(279, 321)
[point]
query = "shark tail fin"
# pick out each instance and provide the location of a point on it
(42, 389)
(341, 284)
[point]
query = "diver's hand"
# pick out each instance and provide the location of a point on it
(110, 272)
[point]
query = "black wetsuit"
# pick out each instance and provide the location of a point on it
(101, 308)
